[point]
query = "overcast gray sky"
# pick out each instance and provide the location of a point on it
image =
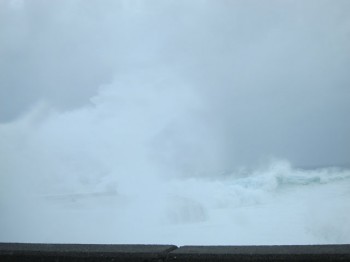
(273, 75)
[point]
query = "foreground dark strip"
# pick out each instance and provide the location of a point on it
(262, 253)
(148, 253)
(80, 252)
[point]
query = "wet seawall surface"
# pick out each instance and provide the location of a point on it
(93, 252)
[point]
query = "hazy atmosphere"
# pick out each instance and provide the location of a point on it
(180, 122)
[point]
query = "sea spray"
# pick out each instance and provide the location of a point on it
(99, 173)
(132, 122)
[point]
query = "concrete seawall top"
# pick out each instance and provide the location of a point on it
(262, 253)
(148, 253)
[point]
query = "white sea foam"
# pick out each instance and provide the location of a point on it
(133, 121)
(144, 167)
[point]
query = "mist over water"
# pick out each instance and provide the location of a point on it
(182, 122)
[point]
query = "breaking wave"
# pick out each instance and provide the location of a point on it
(145, 167)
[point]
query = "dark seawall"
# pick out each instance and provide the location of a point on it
(149, 253)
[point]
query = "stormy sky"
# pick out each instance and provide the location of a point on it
(272, 77)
